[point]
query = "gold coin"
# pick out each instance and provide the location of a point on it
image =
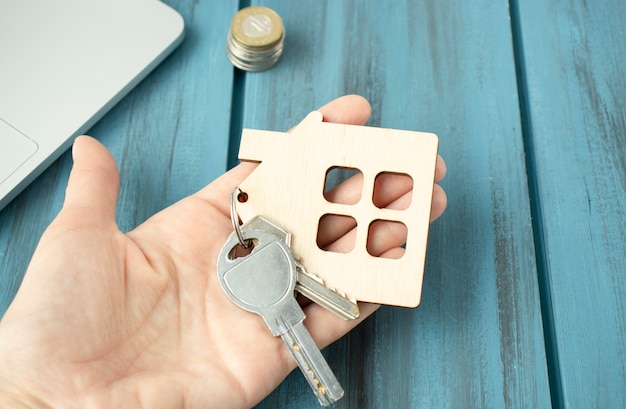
(255, 39)
(257, 27)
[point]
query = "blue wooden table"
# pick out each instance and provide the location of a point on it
(524, 299)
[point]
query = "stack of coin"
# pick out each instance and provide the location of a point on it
(255, 40)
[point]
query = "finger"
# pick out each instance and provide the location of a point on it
(392, 191)
(338, 234)
(440, 169)
(349, 109)
(345, 235)
(93, 186)
(348, 191)
(440, 201)
(385, 239)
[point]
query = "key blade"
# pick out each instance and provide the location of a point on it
(311, 362)
(263, 282)
(314, 289)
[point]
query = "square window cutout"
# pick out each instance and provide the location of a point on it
(386, 239)
(352, 179)
(336, 233)
(386, 186)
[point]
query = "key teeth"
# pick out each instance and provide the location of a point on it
(344, 295)
(317, 278)
(337, 292)
(320, 280)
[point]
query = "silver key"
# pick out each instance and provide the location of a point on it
(312, 287)
(308, 284)
(263, 282)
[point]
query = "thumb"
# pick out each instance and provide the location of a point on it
(93, 186)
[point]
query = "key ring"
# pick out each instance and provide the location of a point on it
(234, 218)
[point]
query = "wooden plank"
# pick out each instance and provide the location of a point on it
(576, 91)
(169, 137)
(447, 68)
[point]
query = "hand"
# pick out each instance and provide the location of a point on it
(138, 320)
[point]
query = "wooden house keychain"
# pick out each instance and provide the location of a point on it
(283, 204)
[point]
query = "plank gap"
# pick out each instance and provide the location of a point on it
(543, 270)
(236, 117)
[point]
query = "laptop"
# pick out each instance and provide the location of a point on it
(63, 65)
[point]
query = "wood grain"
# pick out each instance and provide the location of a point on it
(293, 168)
(576, 124)
(446, 68)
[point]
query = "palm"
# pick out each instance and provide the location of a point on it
(138, 319)
(154, 319)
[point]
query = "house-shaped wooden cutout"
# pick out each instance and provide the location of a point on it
(288, 188)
